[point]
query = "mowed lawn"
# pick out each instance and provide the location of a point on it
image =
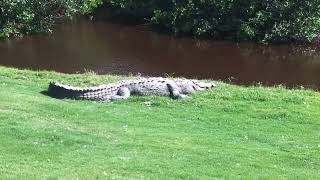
(227, 132)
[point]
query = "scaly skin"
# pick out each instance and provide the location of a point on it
(156, 86)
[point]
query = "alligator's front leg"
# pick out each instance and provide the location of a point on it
(175, 91)
(123, 93)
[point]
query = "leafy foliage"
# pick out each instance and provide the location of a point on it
(19, 17)
(268, 20)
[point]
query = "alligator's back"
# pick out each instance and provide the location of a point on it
(64, 91)
(143, 86)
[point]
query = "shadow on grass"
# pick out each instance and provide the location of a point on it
(46, 93)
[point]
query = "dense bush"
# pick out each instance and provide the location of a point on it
(33, 16)
(262, 20)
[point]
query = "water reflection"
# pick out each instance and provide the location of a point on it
(111, 48)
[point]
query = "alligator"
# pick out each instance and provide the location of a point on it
(152, 86)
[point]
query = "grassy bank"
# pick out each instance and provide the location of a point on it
(228, 132)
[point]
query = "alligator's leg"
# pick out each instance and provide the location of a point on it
(175, 91)
(107, 100)
(123, 93)
(183, 96)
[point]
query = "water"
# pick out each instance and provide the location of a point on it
(107, 48)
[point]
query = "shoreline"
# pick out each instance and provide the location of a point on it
(111, 78)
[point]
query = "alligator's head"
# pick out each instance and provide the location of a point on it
(189, 85)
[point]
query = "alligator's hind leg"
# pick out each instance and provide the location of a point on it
(123, 93)
(182, 96)
(175, 91)
(104, 101)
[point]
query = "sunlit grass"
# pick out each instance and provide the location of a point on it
(227, 132)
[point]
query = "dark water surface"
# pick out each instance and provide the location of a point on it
(111, 48)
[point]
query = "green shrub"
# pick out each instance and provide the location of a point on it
(19, 17)
(267, 20)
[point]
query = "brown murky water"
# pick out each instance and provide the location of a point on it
(111, 48)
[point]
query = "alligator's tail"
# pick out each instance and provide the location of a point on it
(64, 91)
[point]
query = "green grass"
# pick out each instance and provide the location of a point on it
(228, 132)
